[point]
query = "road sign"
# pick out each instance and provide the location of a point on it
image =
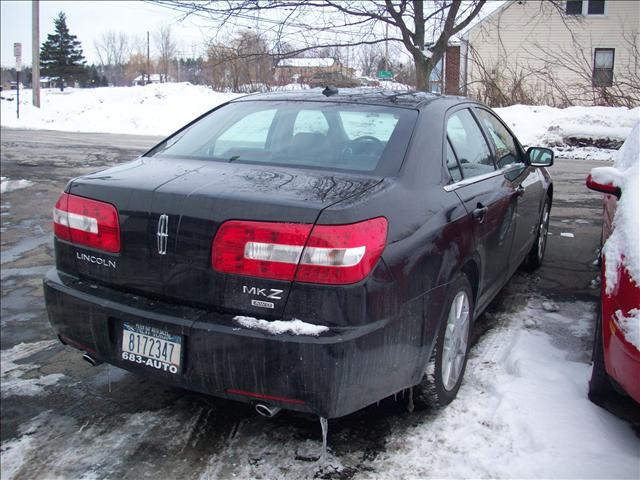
(17, 52)
(385, 74)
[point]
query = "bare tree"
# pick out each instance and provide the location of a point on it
(113, 50)
(422, 28)
(167, 49)
(370, 59)
(241, 64)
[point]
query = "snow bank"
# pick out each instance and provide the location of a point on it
(577, 132)
(623, 246)
(158, 109)
(7, 185)
(393, 85)
(276, 327)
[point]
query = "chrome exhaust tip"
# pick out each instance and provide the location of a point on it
(268, 411)
(94, 362)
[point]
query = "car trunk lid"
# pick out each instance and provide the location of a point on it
(171, 209)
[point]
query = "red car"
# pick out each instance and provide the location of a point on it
(616, 354)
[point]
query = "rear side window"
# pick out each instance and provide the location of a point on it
(375, 124)
(310, 121)
(452, 164)
(469, 144)
(506, 150)
(249, 132)
(335, 136)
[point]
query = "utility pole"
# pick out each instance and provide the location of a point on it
(35, 52)
(148, 60)
(386, 46)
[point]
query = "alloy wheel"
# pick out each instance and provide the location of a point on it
(542, 231)
(455, 340)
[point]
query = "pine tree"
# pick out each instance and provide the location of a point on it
(61, 55)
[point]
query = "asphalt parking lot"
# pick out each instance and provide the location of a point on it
(88, 409)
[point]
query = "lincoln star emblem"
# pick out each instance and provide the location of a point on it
(163, 235)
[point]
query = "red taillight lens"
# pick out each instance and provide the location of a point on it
(342, 254)
(329, 254)
(259, 249)
(87, 222)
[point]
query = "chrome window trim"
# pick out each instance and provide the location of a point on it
(470, 181)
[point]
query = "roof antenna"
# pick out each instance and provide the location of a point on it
(329, 90)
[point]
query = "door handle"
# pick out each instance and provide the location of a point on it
(520, 191)
(480, 212)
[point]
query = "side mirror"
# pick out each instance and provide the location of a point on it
(608, 188)
(540, 157)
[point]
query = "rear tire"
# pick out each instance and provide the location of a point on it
(536, 254)
(600, 387)
(446, 367)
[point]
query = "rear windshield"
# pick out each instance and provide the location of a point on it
(337, 136)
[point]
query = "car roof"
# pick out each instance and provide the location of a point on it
(369, 96)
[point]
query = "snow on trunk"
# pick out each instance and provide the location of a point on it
(622, 248)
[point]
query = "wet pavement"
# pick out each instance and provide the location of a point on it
(62, 418)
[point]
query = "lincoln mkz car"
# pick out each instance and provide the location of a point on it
(313, 251)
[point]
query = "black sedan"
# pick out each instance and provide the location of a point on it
(313, 251)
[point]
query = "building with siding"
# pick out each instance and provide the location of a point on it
(303, 70)
(567, 53)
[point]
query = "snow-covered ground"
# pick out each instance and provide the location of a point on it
(18, 378)
(145, 110)
(9, 185)
(522, 412)
(163, 108)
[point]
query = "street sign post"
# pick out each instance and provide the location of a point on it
(17, 52)
(385, 74)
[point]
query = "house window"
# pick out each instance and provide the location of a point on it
(585, 7)
(574, 7)
(436, 78)
(595, 7)
(603, 67)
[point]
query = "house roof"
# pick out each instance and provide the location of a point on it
(306, 62)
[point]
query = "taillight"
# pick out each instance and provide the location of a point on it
(87, 222)
(328, 254)
(259, 249)
(342, 254)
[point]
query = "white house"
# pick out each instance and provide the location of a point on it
(571, 52)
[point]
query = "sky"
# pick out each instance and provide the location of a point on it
(88, 20)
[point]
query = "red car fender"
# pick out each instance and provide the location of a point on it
(621, 358)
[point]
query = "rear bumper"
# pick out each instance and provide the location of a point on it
(331, 375)
(622, 360)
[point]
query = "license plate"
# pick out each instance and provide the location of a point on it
(151, 347)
